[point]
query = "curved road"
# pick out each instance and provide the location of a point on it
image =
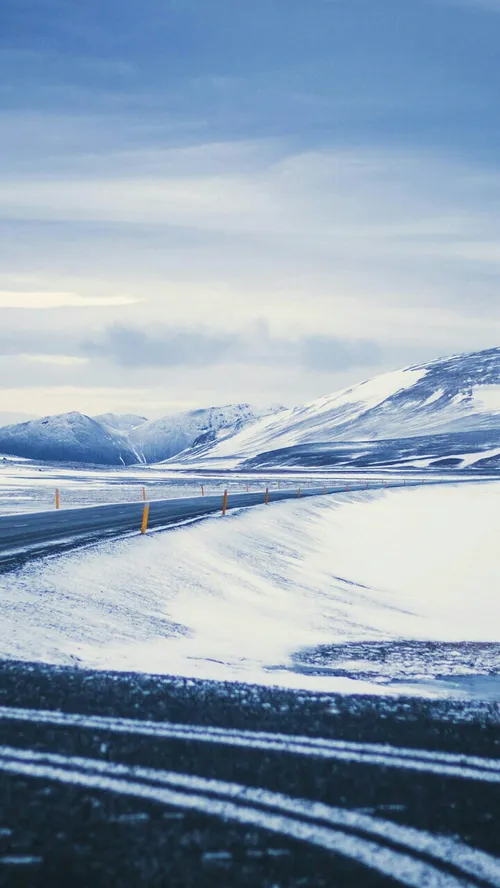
(37, 532)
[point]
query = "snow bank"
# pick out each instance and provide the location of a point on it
(238, 597)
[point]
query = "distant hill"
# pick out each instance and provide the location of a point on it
(66, 437)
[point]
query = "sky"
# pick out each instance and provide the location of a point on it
(206, 202)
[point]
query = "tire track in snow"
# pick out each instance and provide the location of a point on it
(413, 857)
(440, 763)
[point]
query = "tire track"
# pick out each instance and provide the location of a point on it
(444, 764)
(413, 857)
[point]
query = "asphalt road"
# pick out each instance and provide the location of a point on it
(39, 532)
(111, 780)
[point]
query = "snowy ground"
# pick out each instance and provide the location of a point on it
(29, 486)
(26, 485)
(322, 593)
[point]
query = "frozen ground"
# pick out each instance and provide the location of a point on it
(327, 593)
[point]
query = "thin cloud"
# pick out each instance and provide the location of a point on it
(41, 300)
(132, 347)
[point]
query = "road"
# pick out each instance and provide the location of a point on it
(112, 780)
(39, 532)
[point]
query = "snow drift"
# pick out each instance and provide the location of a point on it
(242, 598)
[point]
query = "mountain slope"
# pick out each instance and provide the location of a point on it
(456, 394)
(67, 437)
(163, 438)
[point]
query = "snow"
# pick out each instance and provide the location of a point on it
(468, 459)
(238, 597)
(487, 398)
(308, 423)
(370, 393)
(434, 397)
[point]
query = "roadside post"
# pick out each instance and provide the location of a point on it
(224, 503)
(145, 518)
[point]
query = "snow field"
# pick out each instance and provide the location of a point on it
(232, 598)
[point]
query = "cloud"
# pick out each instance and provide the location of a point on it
(139, 348)
(41, 300)
(58, 360)
(324, 354)
(131, 347)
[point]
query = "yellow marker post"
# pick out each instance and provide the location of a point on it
(144, 493)
(224, 503)
(58, 499)
(266, 499)
(145, 518)
(298, 492)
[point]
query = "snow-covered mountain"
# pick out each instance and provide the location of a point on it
(456, 394)
(114, 439)
(67, 437)
(163, 438)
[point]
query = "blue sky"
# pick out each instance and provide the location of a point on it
(204, 201)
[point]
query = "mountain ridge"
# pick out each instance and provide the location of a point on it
(460, 393)
(120, 439)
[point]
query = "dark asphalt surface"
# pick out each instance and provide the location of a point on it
(39, 532)
(54, 830)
